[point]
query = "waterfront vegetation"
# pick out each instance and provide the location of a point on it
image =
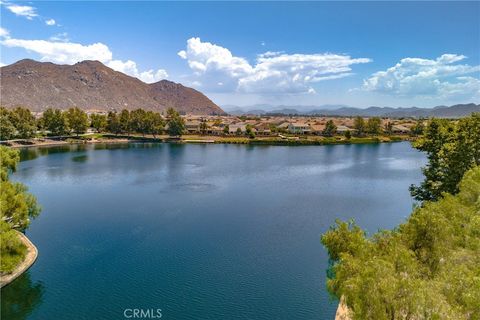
(17, 208)
(75, 125)
(428, 267)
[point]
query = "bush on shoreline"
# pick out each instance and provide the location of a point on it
(427, 268)
(17, 208)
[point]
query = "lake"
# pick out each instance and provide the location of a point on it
(198, 231)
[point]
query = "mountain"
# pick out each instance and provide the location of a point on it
(455, 111)
(90, 85)
(261, 109)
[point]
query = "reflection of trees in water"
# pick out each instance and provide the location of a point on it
(35, 152)
(21, 297)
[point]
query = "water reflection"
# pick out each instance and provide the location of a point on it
(21, 297)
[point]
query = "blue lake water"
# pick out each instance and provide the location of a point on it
(198, 231)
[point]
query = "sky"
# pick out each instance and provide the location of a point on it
(361, 54)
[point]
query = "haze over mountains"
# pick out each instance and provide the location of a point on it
(455, 111)
(90, 85)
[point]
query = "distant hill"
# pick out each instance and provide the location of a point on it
(455, 111)
(91, 85)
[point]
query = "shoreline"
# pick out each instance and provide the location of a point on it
(342, 310)
(194, 139)
(30, 258)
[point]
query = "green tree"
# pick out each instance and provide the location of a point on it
(77, 120)
(427, 268)
(138, 121)
(155, 123)
(203, 127)
(176, 125)
(7, 129)
(125, 123)
(330, 129)
(373, 125)
(113, 123)
(24, 123)
(249, 131)
(98, 122)
(17, 206)
(417, 129)
(452, 149)
(348, 135)
(359, 125)
(226, 129)
(55, 121)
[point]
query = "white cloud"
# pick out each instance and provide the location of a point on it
(62, 52)
(70, 53)
(4, 33)
(24, 11)
(130, 67)
(274, 72)
(425, 77)
(60, 37)
(50, 22)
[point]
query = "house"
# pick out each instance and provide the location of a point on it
(317, 128)
(343, 129)
(233, 128)
(263, 129)
(192, 126)
(398, 128)
(299, 128)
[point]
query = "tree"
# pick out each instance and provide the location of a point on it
(249, 131)
(373, 126)
(348, 135)
(203, 127)
(427, 268)
(98, 122)
(24, 123)
(17, 208)
(125, 124)
(451, 150)
(77, 120)
(226, 129)
(138, 121)
(359, 125)
(55, 121)
(417, 129)
(155, 123)
(238, 132)
(113, 123)
(388, 128)
(176, 125)
(330, 129)
(7, 129)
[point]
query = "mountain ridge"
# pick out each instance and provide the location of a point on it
(454, 111)
(91, 85)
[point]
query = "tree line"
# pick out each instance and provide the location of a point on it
(19, 123)
(428, 267)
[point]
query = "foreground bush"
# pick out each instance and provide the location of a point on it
(12, 249)
(427, 268)
(17, 208)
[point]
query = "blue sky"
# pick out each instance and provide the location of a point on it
(291, 53)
